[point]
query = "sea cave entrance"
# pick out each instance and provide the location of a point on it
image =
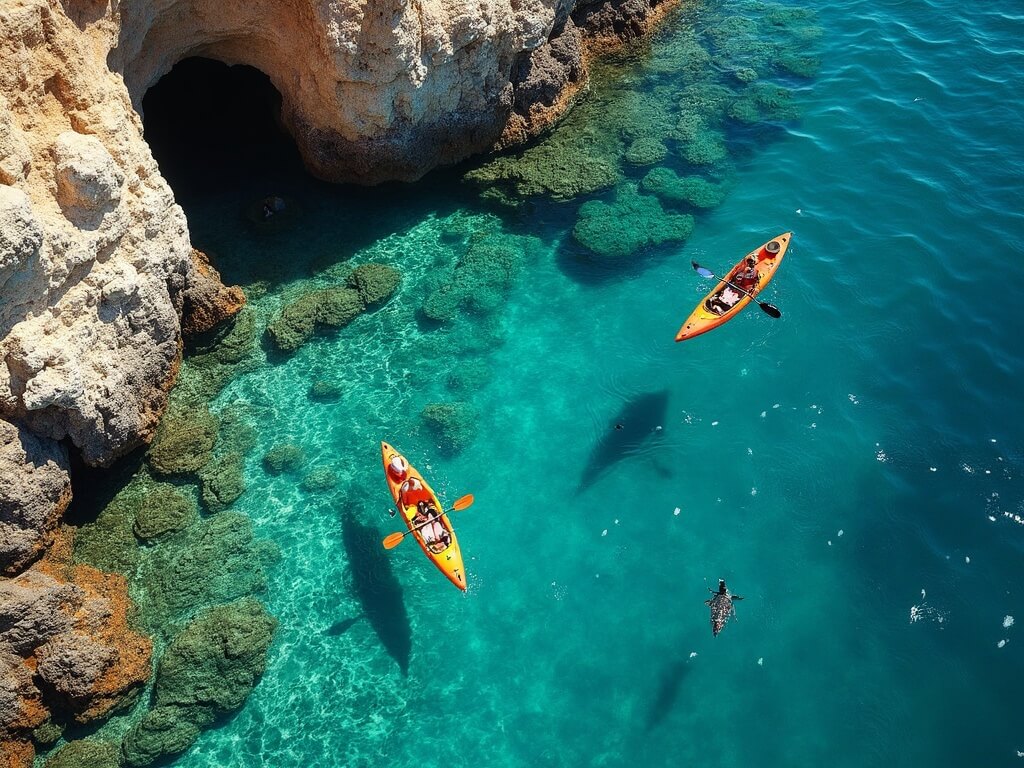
(212, 126)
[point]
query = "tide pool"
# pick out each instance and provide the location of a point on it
(853, 469)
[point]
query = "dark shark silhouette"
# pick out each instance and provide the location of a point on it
(377, 589)
(721, 606)
(668, 692)
(637, 422)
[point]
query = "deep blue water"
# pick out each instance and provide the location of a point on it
(853, 468)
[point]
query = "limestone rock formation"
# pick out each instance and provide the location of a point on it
(65, 648)
(34, 493)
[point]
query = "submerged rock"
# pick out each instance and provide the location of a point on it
(222, 481)
(208, 669)
(332, 307)
(375, 283)
(215, 561)
(85, 754)
(283, 458)
(184, 442)
(614, 231)
(161, 732)
(161, 510)
(453, 424)
(324, 391)
(692, 190)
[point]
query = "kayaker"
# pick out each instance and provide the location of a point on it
(430, 525)
(412, 493)
(398, 469)
(746, 276)
(722, 302)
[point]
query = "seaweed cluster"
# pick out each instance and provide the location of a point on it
(665, 132)
(335, 307)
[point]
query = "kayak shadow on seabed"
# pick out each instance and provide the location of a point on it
(639, 421)
(377, 589)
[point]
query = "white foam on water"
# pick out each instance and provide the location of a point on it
(760, 662)
(714, 423)
(933, 469)
(840, 532)
(676, 511)
(692, 654)
(1001, 643)
(616, 521)
(853, 398)
(967, 468)
(753, 491)
(777, 405)
(763, 414)
(967, 560)
(1007, 622)
(604, 532)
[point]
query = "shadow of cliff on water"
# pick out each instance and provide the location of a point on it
(377, 589)
(640, 420)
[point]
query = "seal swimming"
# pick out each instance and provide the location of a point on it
(721, 606)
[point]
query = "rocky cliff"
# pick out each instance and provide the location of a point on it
(98, 278)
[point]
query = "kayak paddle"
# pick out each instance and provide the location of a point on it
(394, 539)
(769, 309)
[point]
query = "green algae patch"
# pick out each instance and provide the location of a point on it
(296, 323)
(161, 732)
(221, 481)
(207, 670)
(282, 458)
(84, 754)
(162, 509)
(454, 425)
(217, 357)
(617, 230)
(319, 479)
(214, 561)
(217, 658)
(375, 283)
(325, 391)
(184, 441)
(646, 151)
(550, 169)
(109, 542)
(763, 102)
(482, 277)
(695, 191)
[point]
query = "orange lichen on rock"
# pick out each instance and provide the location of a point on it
(16, 754)
(103, 619)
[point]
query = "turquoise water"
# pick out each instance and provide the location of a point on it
(853, 468)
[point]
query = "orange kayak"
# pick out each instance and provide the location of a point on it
(723, 303)
(447, 557)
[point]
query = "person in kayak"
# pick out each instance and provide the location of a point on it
(412, 493)
(722, 302)
(428, 522)
(746, 275)
(398, 468)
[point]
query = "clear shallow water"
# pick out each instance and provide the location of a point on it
(838, 466)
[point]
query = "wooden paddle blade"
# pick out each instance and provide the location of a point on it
(393, 540)
(770, 309)
(465, 501)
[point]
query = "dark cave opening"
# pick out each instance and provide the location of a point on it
(211, 125)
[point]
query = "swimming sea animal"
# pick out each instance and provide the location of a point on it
(446, 556)
(721, 606)
(639, 421)
(724, 302)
